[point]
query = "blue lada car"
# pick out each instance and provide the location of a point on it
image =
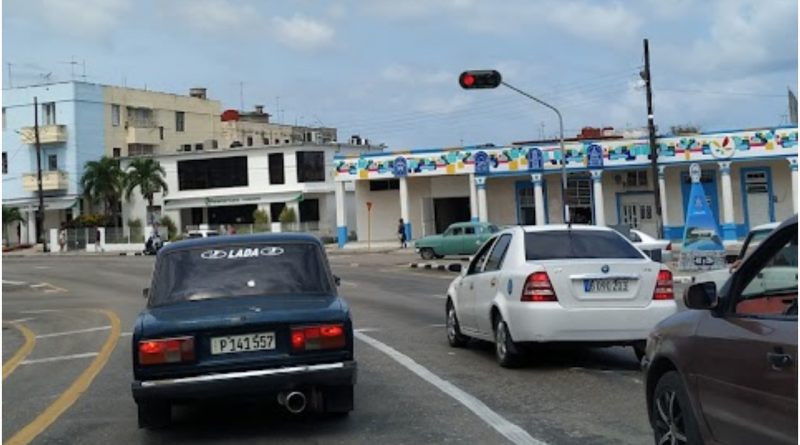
(243, 316)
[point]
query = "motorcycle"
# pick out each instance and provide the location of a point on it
(153, 245)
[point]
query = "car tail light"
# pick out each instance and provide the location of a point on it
(166, 350)
(538, 288)
(663, 289)
(311, 338)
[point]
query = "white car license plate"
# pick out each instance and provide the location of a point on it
(261, 341)
(605, 286)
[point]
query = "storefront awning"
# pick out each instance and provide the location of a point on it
(49, 204)
(230, 200)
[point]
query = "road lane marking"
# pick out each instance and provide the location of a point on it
(75, 390)
(77, 331)
(58, 358)
(14, 283)
(509, 430)
(126, 334)
(366, 330)
(21, 320)
(30, 341)
(438, 326)
(40, 311)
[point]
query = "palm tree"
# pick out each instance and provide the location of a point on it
(10, 216)
(148, 175)
(103, 180)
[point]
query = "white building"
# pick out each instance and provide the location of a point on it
(226, 186)
(749, 176)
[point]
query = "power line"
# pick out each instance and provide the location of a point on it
(723, 93)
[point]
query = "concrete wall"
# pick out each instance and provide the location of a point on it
(385, 212)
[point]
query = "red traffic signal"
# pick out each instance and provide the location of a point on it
(470, 80)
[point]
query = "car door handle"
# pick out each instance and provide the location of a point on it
(779, 360)
(493, 283)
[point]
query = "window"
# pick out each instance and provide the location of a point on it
(636, 178)
(384, 184)
(161, 133)
(277, 141)
(198, 147)
(117, 152)
(115, 115)
(455, 231)
(772, 286)
(310, 166)
(140, 117)
(495, 260)
(49, 113)
(577, 244)
(276, 169)
(52, 163)
(286, 141)
(139, 149)
(264, 140)
(469, 230)
(476, 266)
(275, 210)
(309, 210)
(249, 141)
(186, 147)
(5, 163)
(212, 173)
(179, 121)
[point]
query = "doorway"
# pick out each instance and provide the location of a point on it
(757, 196)
(450, 210)
(637, 211)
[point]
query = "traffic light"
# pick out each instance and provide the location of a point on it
(470, 80)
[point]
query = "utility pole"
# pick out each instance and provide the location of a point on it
(40, 238)
(651, 127)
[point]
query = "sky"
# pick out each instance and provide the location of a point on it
(388, 69)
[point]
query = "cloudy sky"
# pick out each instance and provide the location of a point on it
(388, 69)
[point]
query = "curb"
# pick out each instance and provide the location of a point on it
(432, 266)
(131, 254)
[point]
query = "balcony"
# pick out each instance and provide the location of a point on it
(48, 134)
(143, 135)
(51, 180)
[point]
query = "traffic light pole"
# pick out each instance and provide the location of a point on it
(561, 143)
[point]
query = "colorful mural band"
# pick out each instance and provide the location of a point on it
(589, 154)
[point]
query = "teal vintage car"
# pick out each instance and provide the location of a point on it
(459, 239)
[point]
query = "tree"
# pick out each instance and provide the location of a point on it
(148, 175)
(104, 181)
(287, 215)
(260, 220)
(10, 216)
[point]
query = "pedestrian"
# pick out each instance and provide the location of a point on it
(401, 233)
(97, 238)
(62, 238)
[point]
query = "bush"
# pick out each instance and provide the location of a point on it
(172, 229)
(260, 216)
(91, 220)
(287, 215)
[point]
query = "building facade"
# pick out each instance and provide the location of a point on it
(253, 129)
(749, 176)
(226, 187)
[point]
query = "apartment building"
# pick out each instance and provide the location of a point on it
(253, 128)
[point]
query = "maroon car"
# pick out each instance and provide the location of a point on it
(726, 372)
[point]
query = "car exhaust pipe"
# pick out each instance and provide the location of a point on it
(295, 401)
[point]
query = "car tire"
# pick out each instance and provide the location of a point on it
(154, 414)
(454, 335)
(427, 253)
(505, 350)
(338, 400)
(671, 412)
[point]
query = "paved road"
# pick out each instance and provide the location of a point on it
(69, 379)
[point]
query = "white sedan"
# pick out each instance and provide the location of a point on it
(647, 242)
(554, 283)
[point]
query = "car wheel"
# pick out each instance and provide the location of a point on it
(427, 253)
(506, 352)
(154, 414)
(338, 400)
(639, 350)
(454, 335)
(672, 418)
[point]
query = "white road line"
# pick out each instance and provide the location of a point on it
(20, 320)
(14, 283)
(438, 326)
(40, 311)
(39, 285)
(58, 358)
(366, 330)
(126, 334)
(349, 283)
(77, 331)
(509, 430)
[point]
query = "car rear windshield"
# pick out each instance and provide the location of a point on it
(576, 244)
(240, 270)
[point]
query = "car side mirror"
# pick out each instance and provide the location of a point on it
(455, 267)
(146, 292)
(337, 280)
(702, 296)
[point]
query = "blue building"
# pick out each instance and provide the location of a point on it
(71, 133)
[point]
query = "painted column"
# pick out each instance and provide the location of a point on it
(599, 204)
(31, 222)
(728, 224)
(473, 198)
(793, 166)
(538, 198)
(483, 210)
(404, 207)
(341, 214)
(662, 186)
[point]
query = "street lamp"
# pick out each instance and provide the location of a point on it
(481, 79)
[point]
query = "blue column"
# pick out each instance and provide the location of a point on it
(341, 235)
(407, 229)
